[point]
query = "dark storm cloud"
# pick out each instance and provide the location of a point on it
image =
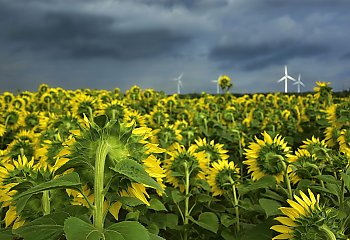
(254, 56)
(190, 4)
(346, 56)
(81, 35)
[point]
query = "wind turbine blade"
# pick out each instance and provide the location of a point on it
(215, 81)
(291, 78)
(180, 75)
(285, 70)
(282, 79)
(302, 84)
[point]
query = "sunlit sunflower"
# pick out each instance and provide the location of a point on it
(34, 120)
(83, 104)
(12, 118)
(344, 141)
(264, 157)
(122, 143)
(315, 146)
(213, 151)
(158, 118)
(222, 175)
(12, 173)
(304, 219)
(133, 115)
(224, 82)
(175, 165)
(2, 130)
(114, 109)
(167, 136)
(19, 103)
(331, 135)
(304, 165)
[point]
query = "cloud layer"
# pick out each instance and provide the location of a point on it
(120, 43)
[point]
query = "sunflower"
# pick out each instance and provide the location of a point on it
(222, 175)
(304, 219)
(123, 143)
(315, 146)
(114, 109)
(19, 103)
(224, 82)
(158, 118)
(15, 172)
(134, 115)
(175, 165)
(12, 118)
(331, 135)
(83, 104)
(304, 165)
(214, 151)
(2, 130)
(167, 136)
(264, 157)
(344, 141)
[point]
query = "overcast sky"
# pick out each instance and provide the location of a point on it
(104, 44)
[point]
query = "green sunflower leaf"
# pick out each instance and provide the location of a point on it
(346, 179)
(208, 221)
(70, 180)
(77, 229)
(129, 230)
(270, 206)
(49, 227)
(6, 234)
(156, 205)
(135, 172)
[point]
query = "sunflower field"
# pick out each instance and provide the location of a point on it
(142, 165)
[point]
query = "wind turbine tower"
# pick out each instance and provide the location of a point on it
(179, 83)
(217, 84)
(285, 79)
(299, 83)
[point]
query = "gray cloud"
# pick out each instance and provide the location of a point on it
(254, 56)
(120, 43)
(81, 35)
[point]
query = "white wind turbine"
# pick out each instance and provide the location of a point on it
(299, 83)
(217, 84)
(285, 79)
(179, 82)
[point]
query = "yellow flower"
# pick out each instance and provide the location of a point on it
(221, 176)
(174, 166)
(213, 151)
(301, 162)
(303, 218)
(264, 157)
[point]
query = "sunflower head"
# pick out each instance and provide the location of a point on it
(305, 219)
(181, 160)
(222, 175)
(121, 143)
(304, 165)
(265, 157)
(213, 151)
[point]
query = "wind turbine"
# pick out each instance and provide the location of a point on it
(299, 83)
(217, 84)
(179, 82)
(285, 79)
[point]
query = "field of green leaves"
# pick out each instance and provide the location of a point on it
(96, 164)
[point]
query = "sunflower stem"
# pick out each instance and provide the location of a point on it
(187, 199)
(101, 153)
(235, 203)
(45, 200)
(329, 234)
(286, 177)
